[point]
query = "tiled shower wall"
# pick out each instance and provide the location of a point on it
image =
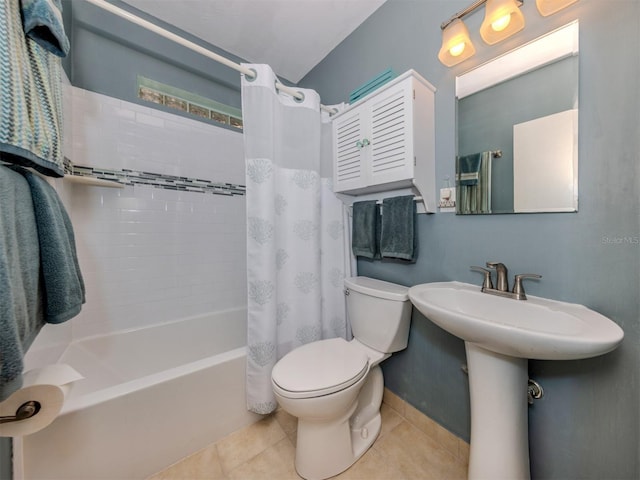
(152, 255)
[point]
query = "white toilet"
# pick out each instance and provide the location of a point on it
(335, 387)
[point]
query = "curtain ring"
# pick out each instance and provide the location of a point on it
(254, 77)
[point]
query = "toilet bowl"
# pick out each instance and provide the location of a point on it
(335, 386)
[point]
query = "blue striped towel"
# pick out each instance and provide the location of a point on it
(42, 22)
(469, 169)
(30, 98)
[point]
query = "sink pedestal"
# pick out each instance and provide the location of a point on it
(499, 417)
(538, 328)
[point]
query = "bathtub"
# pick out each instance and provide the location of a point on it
(149, 398)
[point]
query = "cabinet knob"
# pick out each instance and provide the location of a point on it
(363, 143)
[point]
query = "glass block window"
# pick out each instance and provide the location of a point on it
(200, 107)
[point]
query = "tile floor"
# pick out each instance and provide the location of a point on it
(410, 446)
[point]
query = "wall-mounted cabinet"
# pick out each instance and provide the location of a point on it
(386, 141)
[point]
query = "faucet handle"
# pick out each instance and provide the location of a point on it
(487, 283)
(517, 284)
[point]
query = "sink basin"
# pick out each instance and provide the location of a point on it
(535, 328)
(501, 335)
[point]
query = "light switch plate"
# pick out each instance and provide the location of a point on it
(447, 201)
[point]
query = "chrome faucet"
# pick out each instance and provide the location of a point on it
(502, 281)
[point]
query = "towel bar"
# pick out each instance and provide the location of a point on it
(25, 411)
(415, 199)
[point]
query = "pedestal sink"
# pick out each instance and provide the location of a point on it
(500, 335)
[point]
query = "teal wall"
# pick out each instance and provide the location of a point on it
(108, 53)
(587, 425)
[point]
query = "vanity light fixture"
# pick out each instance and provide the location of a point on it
(456, 43)
(502, 18)
(549, 7)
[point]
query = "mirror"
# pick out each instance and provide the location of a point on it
(517, 129)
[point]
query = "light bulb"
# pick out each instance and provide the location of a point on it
(502, 19)
(457, 49)
(501, 23)
(456, 44)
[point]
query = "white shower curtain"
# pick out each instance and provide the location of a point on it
(296, 255)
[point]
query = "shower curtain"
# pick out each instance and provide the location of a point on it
(296, 255)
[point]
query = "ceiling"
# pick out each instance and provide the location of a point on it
(292, 36)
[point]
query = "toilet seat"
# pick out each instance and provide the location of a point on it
(319, 368)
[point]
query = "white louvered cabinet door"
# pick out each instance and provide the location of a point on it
(349, 151)
(391, 149)
(373, 142)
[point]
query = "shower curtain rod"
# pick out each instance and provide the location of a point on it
(193, 46)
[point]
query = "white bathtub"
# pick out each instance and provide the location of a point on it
(150, 397)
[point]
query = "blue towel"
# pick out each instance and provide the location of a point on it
(30, 96)
(64, 289)
(42, 22)
(469, 169)
(40, 279)
(21, 313)
(365, 236)
(398, 238)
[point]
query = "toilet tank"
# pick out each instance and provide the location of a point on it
(379, 312)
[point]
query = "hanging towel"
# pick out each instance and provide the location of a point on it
(469, 169)
(366, 229)
(474, 190)
(64, 289)
(21, 314)
(40, 279)
(42, 22)
(398, 238)
(31, 98)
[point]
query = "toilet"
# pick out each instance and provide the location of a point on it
(335, 386)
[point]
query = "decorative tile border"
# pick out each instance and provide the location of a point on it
(157, 180)
(196, 105)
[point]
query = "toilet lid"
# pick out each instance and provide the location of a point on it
(320, 368)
